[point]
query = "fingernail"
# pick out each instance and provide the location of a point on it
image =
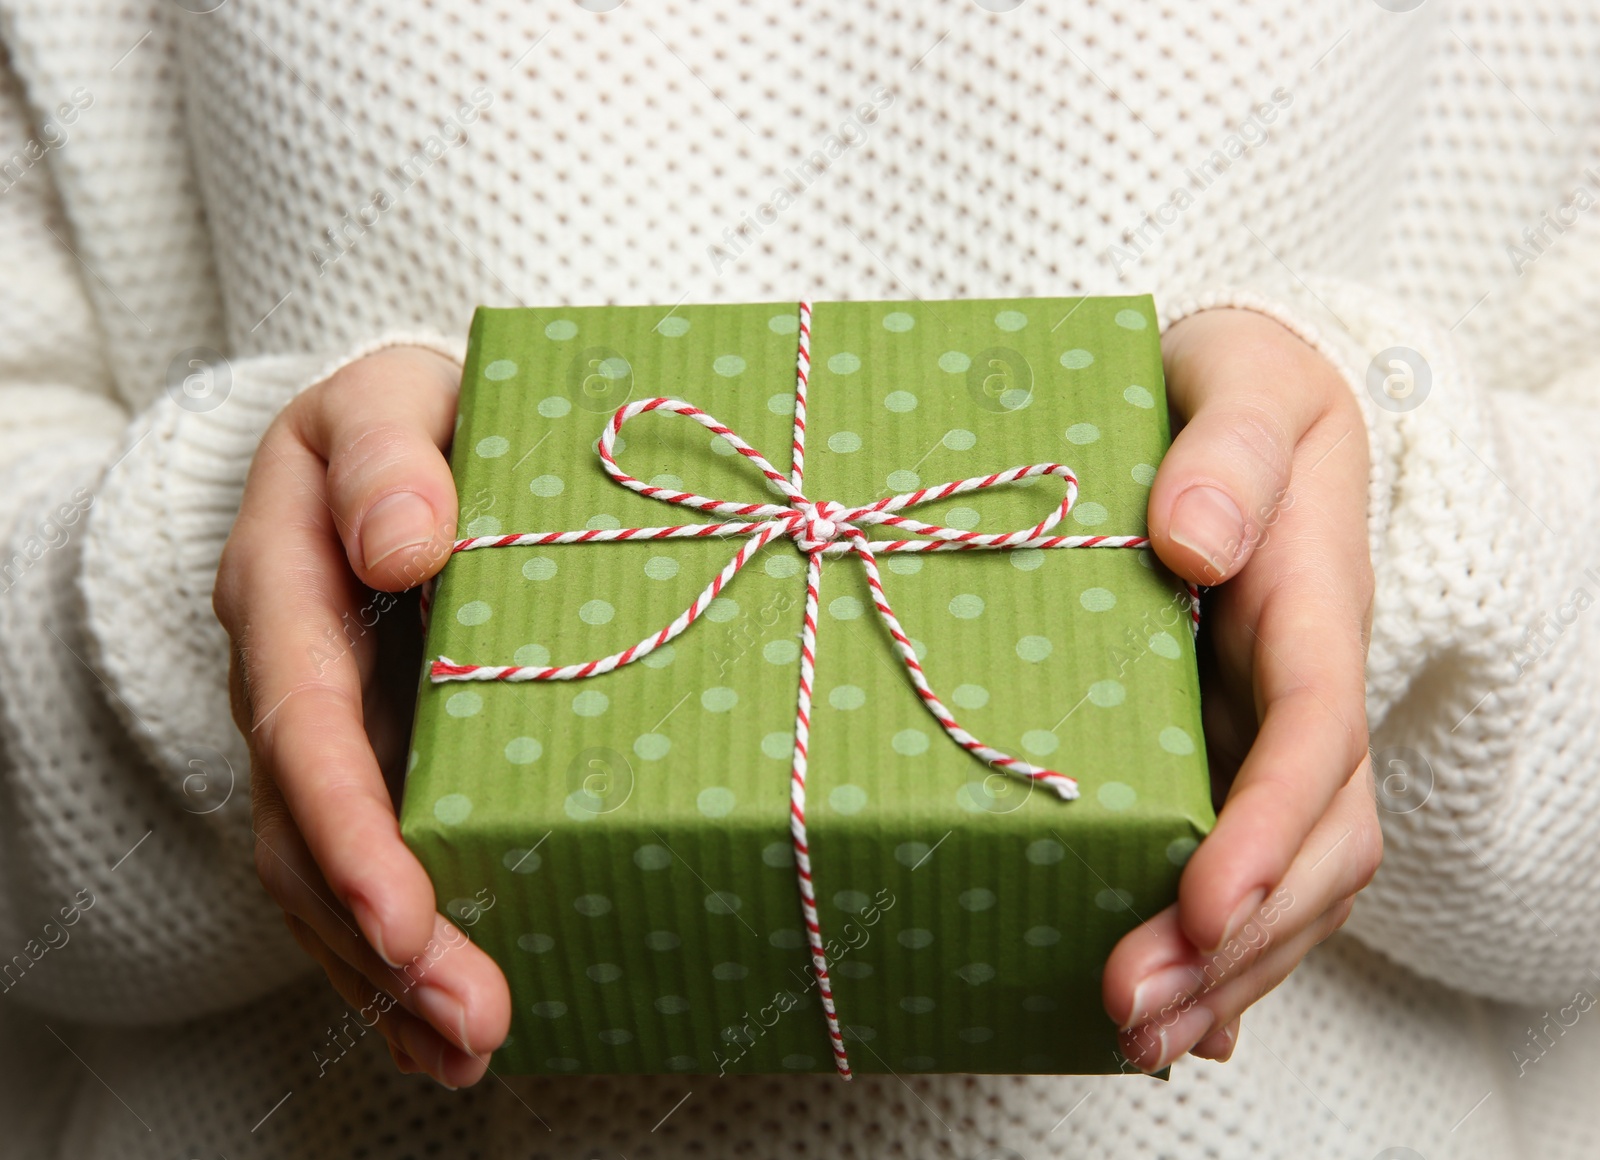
(367, 920)
(1188, 1029)
(1161, 989)
(444, 1011)
(1207, 522)
(402, 1059)
(1219, 1046)
(400, 520)
(1242, 914)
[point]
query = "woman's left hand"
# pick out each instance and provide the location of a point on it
(1262, 495)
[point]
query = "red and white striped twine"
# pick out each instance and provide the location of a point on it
(818, 528)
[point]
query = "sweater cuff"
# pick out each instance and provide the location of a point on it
(154, 540)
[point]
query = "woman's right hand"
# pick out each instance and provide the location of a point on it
(350, 499)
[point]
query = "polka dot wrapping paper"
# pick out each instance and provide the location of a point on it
(621, 844)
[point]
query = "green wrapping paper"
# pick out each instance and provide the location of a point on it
(620, 845)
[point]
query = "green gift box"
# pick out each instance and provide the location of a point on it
(621, 845)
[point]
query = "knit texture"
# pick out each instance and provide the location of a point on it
(298, 184)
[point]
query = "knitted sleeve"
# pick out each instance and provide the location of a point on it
(1484, 713)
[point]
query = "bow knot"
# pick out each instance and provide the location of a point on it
(814, 526)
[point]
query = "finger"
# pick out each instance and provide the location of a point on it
(453, 984)
(284, 587)
(381, 424)
(1219, 1045)
(1247, 392)
(1154, 970)
(407, 1035)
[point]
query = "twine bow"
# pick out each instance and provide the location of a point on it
(818, 528)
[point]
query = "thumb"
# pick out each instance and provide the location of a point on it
(1232, 383)
(381, 424)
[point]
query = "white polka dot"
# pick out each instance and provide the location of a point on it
(784, 323)
(662, 940)
(474, 612)
(652, 746)
(1113, 900)
(778, 746)
(959, 439)
(666, 482)
(954, 362)
(848, 799)
(729, 972)
(798, 1062)
(970, 696)
(1176, 741)
(721, 610)
(909, 742)
(1041, 936)
(852, 901)
(652, 857)
(520, 861)
(1045, 852)
(1026, 559)
(1098, 599)
(661, 567)
(899, 322)
(672, 326)
(1011, 320)
(967, 606)
(1143, 474)
(778, 855)
(604, 972)
(718, 699)
(900, 402)
(844, 442)
(484, 526)
(1107, 693)
(547, 486)
(672, 1004)
(975, 973)
(1089, 514)
(976, 899)
(781, 404)
(904, 563)
(728, 365)
(782, 565)
(1131, 320)
(535, 944)
(1076, 359)
(549, 1009)
(452, 809)
(539, 568)
(915, 938)
(903, 480)
(500, 370)
(1040, 742)
(590, 703)
(844, 608)
(492, 447)
(911, 854)
(561, 330)
(596, 612)
(723, 902)
(614, 1036)
(1081, 433)
(919, 648)
(661, 658)
(975, 1034)
(554, 406)
(844, 363)
(786, 940)
(523, 750)
(1179, 850)
(917, 1004)
(1034, 648)
(964, 518)
(532, 656)
(1139, 397)
(467, 704)
(715, 801)
(722, 447)
(847, 697)
(780, 652)
(1117, 795)
(1164, 644)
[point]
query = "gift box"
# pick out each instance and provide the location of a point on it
(626, 844)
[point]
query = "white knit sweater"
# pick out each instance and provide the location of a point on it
(289, 182)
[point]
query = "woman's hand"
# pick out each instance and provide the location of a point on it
(1264, 493)
(350, 499)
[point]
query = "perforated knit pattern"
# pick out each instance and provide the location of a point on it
(625, 157)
